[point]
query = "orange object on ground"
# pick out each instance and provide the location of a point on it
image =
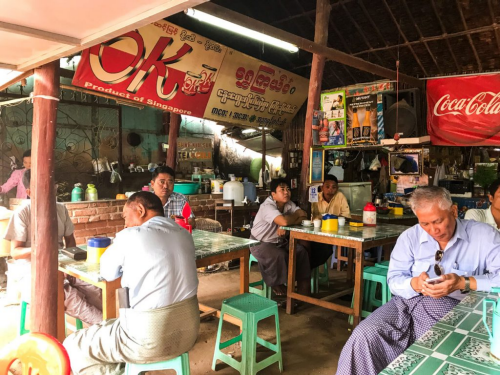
(38, 353)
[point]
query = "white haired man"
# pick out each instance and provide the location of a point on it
(464, 254)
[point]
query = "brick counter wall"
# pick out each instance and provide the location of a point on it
(104, 218)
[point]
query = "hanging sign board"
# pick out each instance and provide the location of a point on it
(464, 111)
(167, 67)
(194, 149)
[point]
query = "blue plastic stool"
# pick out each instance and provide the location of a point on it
(179, 364)
(371, 277)
(249, 309)
(264, 291)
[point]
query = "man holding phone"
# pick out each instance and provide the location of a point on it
(433, 266)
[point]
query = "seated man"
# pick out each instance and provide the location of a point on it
(163, 185)
(464, 254)
(82, 300)
(330, 200)
(490, 216)
(155, 258)
(272, 253)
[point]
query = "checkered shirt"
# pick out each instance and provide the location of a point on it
(175, 204)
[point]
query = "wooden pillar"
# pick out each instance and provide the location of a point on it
(173, 134)
(318, 64)
(43, 201)
(264, 158)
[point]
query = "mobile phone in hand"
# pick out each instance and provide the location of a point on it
(434, 281)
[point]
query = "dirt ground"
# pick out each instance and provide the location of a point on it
(311, 339)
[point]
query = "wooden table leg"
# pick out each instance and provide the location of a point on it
(109, 299)
(358, 285)
(350, 265)
(61, 334)
(244, 274)
(291, 274)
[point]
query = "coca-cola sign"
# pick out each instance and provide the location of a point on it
(464, 111)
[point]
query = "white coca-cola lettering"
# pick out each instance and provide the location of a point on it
(487, 103)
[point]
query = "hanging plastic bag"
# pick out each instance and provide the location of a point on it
(375, 164)
(115, 176)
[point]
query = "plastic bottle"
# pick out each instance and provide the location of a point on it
(233, 190)
(77, 193)
(91, 193)
(249, 190)
(370, 215)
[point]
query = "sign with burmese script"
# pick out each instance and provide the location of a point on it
(253, 93)
(464, 111)
(165, 66)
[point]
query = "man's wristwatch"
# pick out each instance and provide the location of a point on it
(466, 289)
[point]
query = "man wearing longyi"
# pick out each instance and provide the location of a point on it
(462, 255)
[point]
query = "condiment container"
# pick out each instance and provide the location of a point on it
(96, 247)
(77, 193)
(370, 215)
(91, 193)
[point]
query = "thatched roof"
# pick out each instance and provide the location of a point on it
(430, 37)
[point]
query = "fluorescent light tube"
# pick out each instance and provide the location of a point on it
(219, 22)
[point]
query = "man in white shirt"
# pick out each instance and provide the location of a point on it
(155, 258)
(82, 300)
(490, 216)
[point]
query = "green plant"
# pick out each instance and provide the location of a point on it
(485, 175)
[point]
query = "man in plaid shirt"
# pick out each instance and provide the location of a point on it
(163, 186)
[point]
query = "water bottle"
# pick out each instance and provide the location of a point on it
(77, 193)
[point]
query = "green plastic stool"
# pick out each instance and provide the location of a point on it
(264, 290)
(179, 364)
(250, 309)
(384, 264)
(371, 277)
(22, 323)
(318, 278)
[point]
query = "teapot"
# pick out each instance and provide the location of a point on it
(494, 333)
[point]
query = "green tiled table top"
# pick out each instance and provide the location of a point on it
(361, 234)
(386, 217)
(206, 244)
(457, 345)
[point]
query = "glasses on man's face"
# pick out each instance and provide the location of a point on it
(437, 267)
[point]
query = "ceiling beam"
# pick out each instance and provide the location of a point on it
(307, 45)
(495, 26)
(39, 34)
(333, 4)
(404, 37)
(469, 38)
(443, 31)
(16, 79)
(8, 66)
(159, 12)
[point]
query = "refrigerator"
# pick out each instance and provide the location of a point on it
(357, 194)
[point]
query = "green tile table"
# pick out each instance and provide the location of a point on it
(457, 345)
(210, 248)
(357, 238)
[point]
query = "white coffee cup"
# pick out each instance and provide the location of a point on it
(341, 221)
(196, 170)
(317, 223)
(306, 222)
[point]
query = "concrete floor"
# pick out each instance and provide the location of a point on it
(311, 339)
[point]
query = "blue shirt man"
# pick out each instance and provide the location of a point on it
(463, 255)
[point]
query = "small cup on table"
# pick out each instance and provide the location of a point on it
(341, 221)
(317, 223)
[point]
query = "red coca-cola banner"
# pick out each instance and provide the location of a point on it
(464, 111)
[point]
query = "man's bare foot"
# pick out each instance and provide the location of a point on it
(279, 290)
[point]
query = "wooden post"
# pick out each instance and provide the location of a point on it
(318, 64)
(173, 134)
(264, 159)
(43, 201)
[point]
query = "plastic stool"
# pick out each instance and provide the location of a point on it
(265, 290)
(250, 309)
(384, 264)
(371, 277)
(22, 323)
(318, 278)
(179, 364)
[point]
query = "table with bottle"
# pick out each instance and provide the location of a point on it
(357, 239)
(210, 248)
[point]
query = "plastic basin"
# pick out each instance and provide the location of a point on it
(186, 188)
